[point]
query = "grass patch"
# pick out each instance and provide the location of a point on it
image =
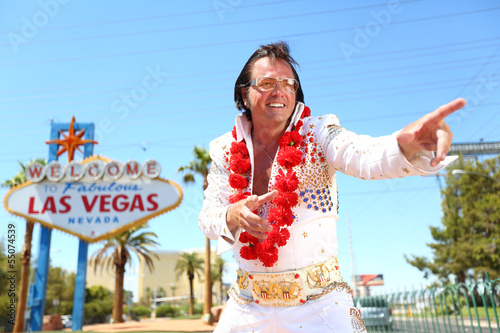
(481, 311)
(187, 317)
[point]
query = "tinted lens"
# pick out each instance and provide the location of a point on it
(290, 85)
(269, 83)
(266, 83)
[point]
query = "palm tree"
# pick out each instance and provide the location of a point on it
(160, 292)
(200, 165)
(217, 273)
(117, 252)
(190, 264)
(20, 178)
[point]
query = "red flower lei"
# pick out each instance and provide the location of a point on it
(287, 182)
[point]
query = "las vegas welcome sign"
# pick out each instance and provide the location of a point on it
(94, 199)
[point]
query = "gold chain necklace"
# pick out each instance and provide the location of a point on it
(265, 152)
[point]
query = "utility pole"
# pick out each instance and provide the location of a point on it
(355, 293)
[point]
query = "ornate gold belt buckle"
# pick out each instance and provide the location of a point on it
(322, 274)
(281, 289)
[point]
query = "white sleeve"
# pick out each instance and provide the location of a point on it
(367, 157)
(212, 218)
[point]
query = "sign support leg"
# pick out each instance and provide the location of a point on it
(79, 296)
(40, 287)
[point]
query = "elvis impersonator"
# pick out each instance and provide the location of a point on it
(272, 197)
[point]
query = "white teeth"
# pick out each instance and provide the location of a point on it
(277, 105)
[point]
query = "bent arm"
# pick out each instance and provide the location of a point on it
(212, 217)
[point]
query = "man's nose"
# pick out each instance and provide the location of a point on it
(278, 88)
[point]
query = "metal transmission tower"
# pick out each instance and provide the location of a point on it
(475, 149)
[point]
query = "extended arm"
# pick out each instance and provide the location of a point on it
(407, 152)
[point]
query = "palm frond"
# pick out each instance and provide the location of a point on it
(20, 177)
(189, 263)
(188, 178)
(200, 165)
(121, 246)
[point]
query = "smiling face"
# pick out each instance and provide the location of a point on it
(270, 107)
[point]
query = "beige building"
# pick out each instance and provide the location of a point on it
(165, 276)
(101, 277)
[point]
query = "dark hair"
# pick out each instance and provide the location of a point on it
(273, 51)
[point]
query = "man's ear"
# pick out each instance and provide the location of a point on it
(244, 96)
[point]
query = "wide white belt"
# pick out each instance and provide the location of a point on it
(288, 288)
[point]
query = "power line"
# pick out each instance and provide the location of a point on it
(399, 115)
(169, 140)
(205, 26)
(395, 87)
(398, 69)
(446, 51)
(495, 129)
(385, 59)
(399, 204)
(218, 88)
(479, 70)
(158, 116)
(191, 91)
(147, 18)
(225, 43)
(391, 69)
(414, 49)
(356, 98)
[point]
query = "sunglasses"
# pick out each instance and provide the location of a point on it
(265, 83)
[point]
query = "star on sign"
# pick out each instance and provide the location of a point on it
(406, 170)
(71, 141)
(304, 234)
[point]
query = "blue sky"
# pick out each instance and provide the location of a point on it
(377, 65)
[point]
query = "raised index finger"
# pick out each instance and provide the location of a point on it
(253, 202)
(267, 197)
(447, 109)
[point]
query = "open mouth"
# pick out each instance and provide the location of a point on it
(276, 105)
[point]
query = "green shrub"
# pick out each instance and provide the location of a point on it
(140, 312)
(166, 310)
(96, 311)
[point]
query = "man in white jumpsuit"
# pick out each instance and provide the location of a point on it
(272, 197)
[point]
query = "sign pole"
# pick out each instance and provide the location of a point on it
(40, 287)
(79, 296)
(37, 306)
(83, 250)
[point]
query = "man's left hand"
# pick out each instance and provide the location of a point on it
(429, 133)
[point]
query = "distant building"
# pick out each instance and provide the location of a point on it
(163, 276)
(103, 276)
